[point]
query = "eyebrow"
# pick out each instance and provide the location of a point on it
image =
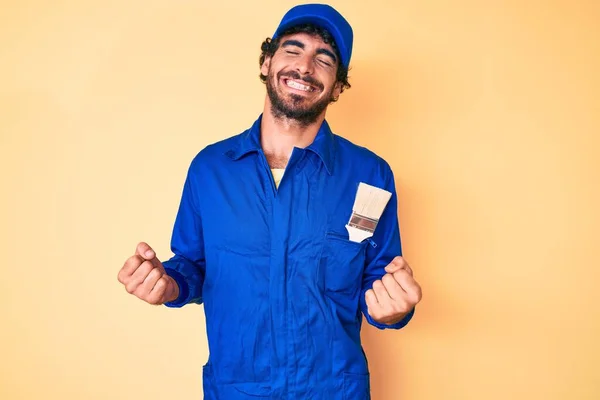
(292, 42)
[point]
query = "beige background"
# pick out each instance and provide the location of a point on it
(488, 112)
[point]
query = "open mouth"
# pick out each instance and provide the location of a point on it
(299, 85)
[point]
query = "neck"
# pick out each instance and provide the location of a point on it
(279, 136)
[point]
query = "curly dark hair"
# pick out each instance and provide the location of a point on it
(270, 46)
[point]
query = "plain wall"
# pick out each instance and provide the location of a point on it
(487, 111)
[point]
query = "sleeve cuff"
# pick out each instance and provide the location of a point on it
(182, 299)
(398, 325)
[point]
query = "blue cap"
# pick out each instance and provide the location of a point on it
(326, 17)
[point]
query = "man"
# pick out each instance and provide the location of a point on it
(282, 281)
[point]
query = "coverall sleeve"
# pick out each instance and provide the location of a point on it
(187, 267)
(387, 245)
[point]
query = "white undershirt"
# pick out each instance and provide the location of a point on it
(277, 175)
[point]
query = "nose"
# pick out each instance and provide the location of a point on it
(305, 64)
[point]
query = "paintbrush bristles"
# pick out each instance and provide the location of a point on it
(370, 201)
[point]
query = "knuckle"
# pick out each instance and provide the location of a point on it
(142, 294)
(131, 287)
(161, 285)
(154, 274)
(416, 296)
(402, 307)
(134, 260)
(388, 279)
(145, 269)
(399, 260)
(132, 263)
(157, 296)
(401, 274)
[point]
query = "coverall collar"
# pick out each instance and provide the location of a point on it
(323, 145)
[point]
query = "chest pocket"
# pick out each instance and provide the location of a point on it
(343, 262)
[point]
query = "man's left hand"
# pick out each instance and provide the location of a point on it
(395, 295)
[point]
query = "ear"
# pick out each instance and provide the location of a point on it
(264, 68)
(337, 89)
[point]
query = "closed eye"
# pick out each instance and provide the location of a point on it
(324, 62)
(292, 46)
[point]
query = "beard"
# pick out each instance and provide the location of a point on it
(295, 108)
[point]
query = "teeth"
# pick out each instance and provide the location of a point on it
(298, 86)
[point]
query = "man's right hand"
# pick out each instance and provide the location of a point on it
(144, 276)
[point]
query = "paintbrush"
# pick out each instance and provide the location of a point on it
(368, 206)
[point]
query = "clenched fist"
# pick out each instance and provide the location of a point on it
(144, 276)
(395, 295)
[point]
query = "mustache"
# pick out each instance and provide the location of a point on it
(308, 79)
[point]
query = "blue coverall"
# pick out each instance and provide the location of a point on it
(282, 285)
